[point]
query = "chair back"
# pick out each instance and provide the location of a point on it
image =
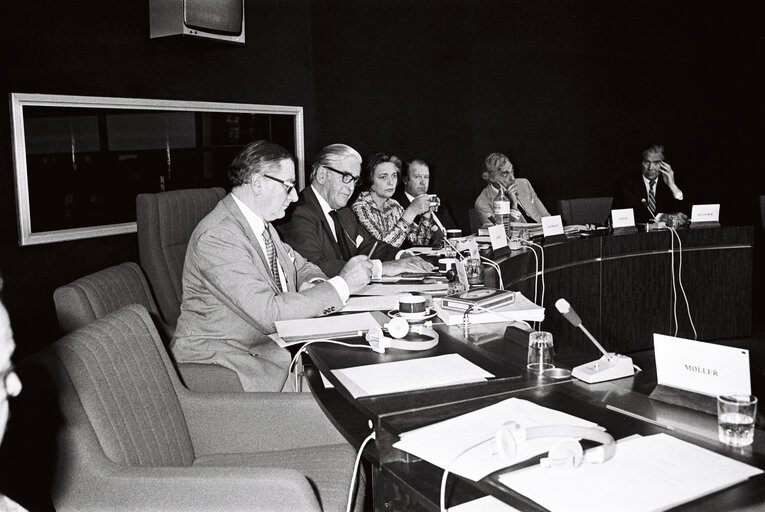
(585, 210)
(96, 295)
(123, 391)
(165, 223)
(762, 211)
(475, 221)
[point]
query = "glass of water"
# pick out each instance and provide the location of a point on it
(541, 355)
(735, 419)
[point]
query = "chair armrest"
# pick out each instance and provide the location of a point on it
(251, 422)
(190, 488)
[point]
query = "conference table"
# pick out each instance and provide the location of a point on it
(624, 407)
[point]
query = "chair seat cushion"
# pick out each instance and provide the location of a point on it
(329, 468)
(209, 378)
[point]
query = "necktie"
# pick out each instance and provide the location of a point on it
(652, 197)
(345, 251)
(271, 254)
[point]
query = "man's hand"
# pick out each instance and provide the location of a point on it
(512, 194)
(357, 272)
(668, 175)
(420, 205)
(406, 264)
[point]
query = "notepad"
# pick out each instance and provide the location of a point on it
(411, 374)
(341, 326)
(646, 474)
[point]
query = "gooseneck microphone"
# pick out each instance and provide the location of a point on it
(645, 203)
(608, 367)
(565, 309)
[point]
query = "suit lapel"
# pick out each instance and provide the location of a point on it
(314, 204)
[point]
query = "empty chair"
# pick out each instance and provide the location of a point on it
(585, 210)
(132, 438)
(165, 223)
(96, 295)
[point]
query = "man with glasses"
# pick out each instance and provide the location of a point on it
(324, 230)
(525, 206)
(239, 277)
(653, 194)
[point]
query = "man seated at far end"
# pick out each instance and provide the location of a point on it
(326, 231)
(525, 206)
(239, 277)
(649, 197)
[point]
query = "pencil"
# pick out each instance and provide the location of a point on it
(372, 250)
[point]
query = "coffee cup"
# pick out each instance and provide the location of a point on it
(453, 233)
(445, 264)
(411, 306)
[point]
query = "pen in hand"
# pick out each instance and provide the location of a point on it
(372, 250)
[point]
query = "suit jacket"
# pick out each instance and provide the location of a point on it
(443, 213)
(231, 300)
(308, 232)
(630, 191)
(527, 198)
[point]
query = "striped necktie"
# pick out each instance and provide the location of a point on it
(271, 254)
(652, 197)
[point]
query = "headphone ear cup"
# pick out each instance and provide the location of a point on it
(374, 334)
(398, 327)
(566, 454)
(505, 444)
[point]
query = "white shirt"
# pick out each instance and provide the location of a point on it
(258, 225)
(678, 195)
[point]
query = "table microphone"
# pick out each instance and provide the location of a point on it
(608, 367)
(645, 203)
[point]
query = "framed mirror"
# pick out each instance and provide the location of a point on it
(80, 160)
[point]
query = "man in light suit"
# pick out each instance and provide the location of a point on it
(239, 278)
(326, 231)
(525, 206)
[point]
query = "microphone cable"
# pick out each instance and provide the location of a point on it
(320, 340)
(356, 468)
(680, 281)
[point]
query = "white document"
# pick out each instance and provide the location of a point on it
(701, 367)
(485, 504)
(401, 289)
(469, 438)
(705, 213)
(623, 218)
(521, 309)
(411, 374)
(371, 303)
(552, 225)
(341, 326)
(646, 474)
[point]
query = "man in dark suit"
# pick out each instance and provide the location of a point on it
(649, 196)
(416, 180)
(325, 231)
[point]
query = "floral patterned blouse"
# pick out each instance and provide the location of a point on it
(388, 224)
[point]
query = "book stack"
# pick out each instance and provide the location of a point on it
(479, 299)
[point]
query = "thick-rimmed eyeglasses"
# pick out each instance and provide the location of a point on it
(288, 186)
(347, 177)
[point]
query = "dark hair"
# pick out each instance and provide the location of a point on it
(413, 161)
(375, 160)
(254, 158)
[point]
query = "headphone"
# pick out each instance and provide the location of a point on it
(566, 454)
(399, 328)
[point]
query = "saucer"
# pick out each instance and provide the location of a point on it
(413, 318)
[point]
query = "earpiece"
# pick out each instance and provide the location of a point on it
(566, 454)
(398, 328)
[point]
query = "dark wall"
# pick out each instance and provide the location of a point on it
(572, 91)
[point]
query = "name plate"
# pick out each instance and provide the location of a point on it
(624, 218)
(705, 213)
(701, 367)
(552, 225)
(497, 237)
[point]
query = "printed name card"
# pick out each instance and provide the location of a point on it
(552, 225)
(624, 218)
(701, 367)
(705, 213)
(497, 237)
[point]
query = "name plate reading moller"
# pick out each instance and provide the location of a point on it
(552, 225)
(701, 367)
(624, 218)
(705, 213)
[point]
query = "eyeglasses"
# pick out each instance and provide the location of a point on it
(288, 187)
(347, 177)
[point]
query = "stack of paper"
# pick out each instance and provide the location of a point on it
(521, 309)
(401, 289)
(646, 473)
(341, 326)
(464, 445)
(411, 374)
